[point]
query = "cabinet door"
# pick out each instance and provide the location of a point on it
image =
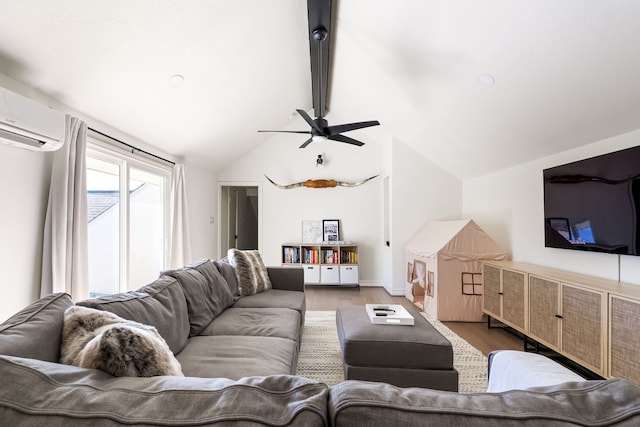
(513, 298)
(624, 338)
(491, 296)
(582, 323)
(329, 274)
(544, 311)
(349, 275)
(311, 273)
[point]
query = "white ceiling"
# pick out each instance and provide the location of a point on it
(567, 72)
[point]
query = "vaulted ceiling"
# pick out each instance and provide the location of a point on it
(566, 73)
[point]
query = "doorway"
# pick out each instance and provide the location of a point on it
(240, 217)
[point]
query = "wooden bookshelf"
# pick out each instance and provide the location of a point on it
(324, 264)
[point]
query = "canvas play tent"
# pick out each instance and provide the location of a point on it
(444, 269)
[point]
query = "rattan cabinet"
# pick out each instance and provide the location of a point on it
(504, 296)
(582, 326)
(624, 333)
(590, 320)
(491, 297)
(568, 319)
(544, 305)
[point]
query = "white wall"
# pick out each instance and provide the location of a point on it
(359, 209)
(420, 192)
(202, 201)
(24, 186)
(509, 206)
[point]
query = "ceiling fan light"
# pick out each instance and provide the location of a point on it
(176, 80)
(486, 79)
(319, 138)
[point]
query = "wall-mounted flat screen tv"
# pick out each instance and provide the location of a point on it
(593, 204)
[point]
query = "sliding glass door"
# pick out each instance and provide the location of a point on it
(128, 215)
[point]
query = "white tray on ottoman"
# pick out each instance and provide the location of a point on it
(389, 314)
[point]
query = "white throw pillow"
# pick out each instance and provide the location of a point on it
(251, 272)
(99, 339)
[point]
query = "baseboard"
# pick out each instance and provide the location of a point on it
(370, 284)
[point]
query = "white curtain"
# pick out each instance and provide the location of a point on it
(64, 253)
(180, 243)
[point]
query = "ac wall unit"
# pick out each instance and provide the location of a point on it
(25, 123)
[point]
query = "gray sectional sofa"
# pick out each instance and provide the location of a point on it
(238, 354)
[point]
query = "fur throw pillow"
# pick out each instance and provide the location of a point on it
(251, 273)
(99, 339)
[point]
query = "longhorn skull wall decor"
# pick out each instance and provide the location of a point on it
(320, 183)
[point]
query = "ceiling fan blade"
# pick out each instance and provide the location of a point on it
(311, 122)
(346, 139)
(334, 130)
(286, 131)
(307, 142)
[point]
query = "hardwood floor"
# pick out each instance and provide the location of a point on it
(476, 334)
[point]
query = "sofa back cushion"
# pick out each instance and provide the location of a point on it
(217, 281)
(251, 272)
(70, 396)
(205, 299)
(161, 304)
(36, 330)
(229, 273)
(602, 403)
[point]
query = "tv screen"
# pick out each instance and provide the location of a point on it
(591, 204)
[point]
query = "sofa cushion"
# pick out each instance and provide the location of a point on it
(161, 304)
(68, 396)
(99, 339)
(203, 303)
(251, 272)
(235, 357)
(260, 322)
(275, 298)
(602, 403)
(229, 273)
(35, 331)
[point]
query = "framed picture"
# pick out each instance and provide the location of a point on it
(311, 231)
(330, 230)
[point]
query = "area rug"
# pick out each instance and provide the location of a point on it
(320, 357)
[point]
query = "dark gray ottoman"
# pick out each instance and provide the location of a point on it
(405, 356)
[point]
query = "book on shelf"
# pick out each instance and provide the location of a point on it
(349, 257)
(311, 256)
(290, 255)
(329, 256)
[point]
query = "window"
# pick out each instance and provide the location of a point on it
(471, 283)
(128, 219)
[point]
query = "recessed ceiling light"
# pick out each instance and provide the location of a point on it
(486, 79)
(176, 80)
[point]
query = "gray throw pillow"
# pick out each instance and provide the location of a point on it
(34, 332)
(98, 339)
(251, 272)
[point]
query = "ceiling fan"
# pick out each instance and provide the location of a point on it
(319, 12)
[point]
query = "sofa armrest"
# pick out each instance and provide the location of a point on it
(286, 278)
(519, 370)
